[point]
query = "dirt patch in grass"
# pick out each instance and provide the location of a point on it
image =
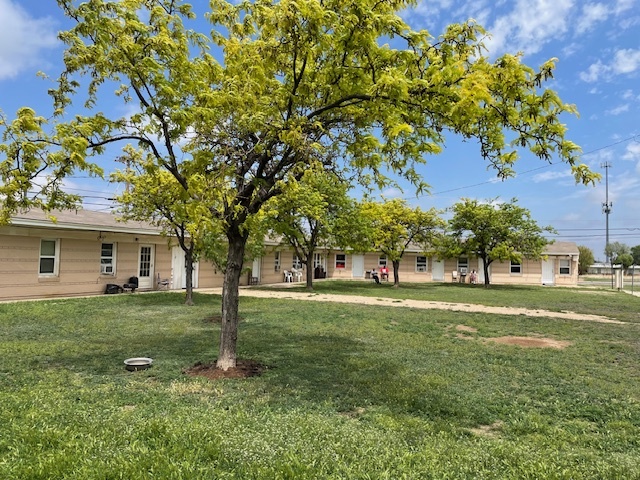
(530, 342)
(465, 333)
(464, 328)
(243, 369)
(491, 431)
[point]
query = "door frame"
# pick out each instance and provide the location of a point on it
(146, 282)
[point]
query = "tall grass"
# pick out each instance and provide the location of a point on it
(350, 391)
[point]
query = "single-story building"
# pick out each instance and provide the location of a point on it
(83, 251)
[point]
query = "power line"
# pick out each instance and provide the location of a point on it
(550, 164)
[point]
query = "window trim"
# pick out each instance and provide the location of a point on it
(276, 261)
(567, 266)
(420, 268)
(515, 268)
(341, 264)
(382, 261)
(112, 257)
(463, 268)
(55, 257)
(296, 262)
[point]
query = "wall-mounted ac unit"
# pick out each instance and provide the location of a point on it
(106, 269)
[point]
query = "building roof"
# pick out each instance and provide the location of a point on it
(87, 220)
(562, 248)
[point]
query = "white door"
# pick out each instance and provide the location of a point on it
(179, 269)
(481, 271)
(437, 270)
(255, 268)
(548, 277)
(146, 254)
(357, 266)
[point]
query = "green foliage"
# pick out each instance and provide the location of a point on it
(394, 226)
(236, 112)
(352, 391)
(312, 211)
(635, 251)
(615, 250)
(586, 259)
(625, 259)
(492, 231)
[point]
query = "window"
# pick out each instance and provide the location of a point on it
(382, 261)
(516, 268)
(276, 262)
(463, 265)
(421, 264)
(108, 259)
(49, 253)
(565, 266)
(296, 262)
(341, 260)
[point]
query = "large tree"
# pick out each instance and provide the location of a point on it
(395, 226)
(234, 112)
(492, 231)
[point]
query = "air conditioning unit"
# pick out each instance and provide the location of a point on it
(106, 269)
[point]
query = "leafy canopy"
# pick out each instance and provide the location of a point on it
(493, 230)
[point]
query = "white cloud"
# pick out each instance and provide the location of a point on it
(618, 110)
(22, 39)
(592, 13)
(594, 72)
(625, 61)
(549, 176)
(530, 25)
(632, 152)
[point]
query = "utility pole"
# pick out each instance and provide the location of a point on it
(606, 209)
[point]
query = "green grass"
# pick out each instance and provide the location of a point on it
(352, 391)
(596, 301)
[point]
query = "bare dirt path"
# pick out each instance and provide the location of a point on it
(394, 302)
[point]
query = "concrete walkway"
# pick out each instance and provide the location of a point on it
(420, 304)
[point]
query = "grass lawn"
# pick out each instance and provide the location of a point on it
(351, 391)
(596, 301)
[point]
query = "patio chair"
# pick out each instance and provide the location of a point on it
(454, 276)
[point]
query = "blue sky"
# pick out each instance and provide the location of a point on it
(598, 49)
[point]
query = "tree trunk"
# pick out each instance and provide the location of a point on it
(188, 257)
(230, 297)
(309, 272)
(396, 273)
(485, 265)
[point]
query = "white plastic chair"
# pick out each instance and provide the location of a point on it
(454, 276)
(297, 273)
(288, 277)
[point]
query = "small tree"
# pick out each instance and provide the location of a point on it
(395, 226)
(615, 250)
(586, 259)
(494, 231)
(309, 213)
(635, 252)
(154, 195)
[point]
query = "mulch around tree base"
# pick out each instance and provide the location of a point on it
(243, 369)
